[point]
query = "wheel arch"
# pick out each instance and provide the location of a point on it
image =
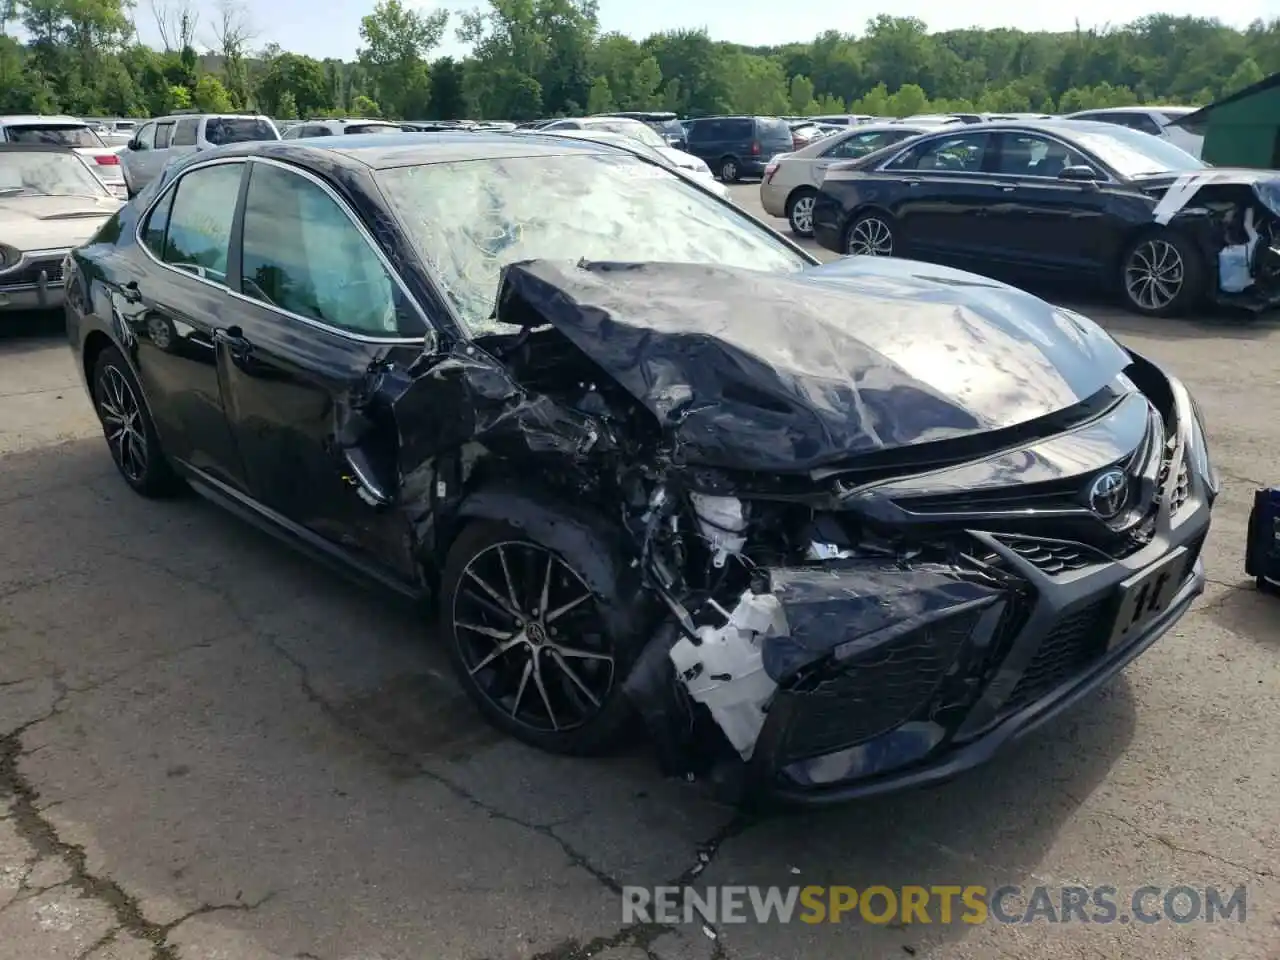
(596, 549)
(94, 344)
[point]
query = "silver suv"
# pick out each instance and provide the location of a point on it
(166, 138)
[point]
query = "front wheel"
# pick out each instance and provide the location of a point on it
(800, 213)
(1162, 275)
(871, 235)
(532, 645)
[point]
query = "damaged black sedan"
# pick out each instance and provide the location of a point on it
(824, 531)
(1068, 200)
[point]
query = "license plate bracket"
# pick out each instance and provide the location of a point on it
(1145, 596)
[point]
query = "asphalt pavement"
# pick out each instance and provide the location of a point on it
(212, 749)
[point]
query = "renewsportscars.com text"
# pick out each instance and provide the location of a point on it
(973, 904)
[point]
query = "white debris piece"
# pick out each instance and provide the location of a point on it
(1234, 261)
(725, 670)
(723, 522)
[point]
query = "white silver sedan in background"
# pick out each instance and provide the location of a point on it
(682, 163)
(50, 202)
(792, 180)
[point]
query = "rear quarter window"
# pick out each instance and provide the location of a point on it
(771, 128)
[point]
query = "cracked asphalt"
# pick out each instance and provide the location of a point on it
(212, 749)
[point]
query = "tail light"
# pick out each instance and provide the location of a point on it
(755, 148)
(770, 169)
(107, 160)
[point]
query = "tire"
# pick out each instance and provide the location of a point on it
(127, 426)
(727, 170)
(559, 715)
(1178, 269)
(800, 212)
(872, 234)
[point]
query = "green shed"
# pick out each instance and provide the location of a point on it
(1242, 130)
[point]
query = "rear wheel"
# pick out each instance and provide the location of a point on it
(800, 212)
(728, 170)
(127, 425)
(531, 644)
(1162, 275)
(871, 235)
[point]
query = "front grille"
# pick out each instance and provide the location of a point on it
(29, 273)
(1055, 556)
(865, 696)
(1077, 640)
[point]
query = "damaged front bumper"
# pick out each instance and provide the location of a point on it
(971, 670)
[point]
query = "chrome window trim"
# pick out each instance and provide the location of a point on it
(309, 321)
(1102, 168)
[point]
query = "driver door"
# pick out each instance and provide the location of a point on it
(321, 307)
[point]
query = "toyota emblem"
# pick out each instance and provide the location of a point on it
(1108, 493)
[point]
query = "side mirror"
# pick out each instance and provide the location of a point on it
(1079, 173)
(135, 144)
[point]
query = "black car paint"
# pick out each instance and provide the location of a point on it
(777, 373)
(371, 454)
(1023, 227)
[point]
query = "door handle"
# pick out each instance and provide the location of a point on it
(235, 340)
(131, 293)
(912, 181)
(1008, 189)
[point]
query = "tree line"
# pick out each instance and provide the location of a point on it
(542, 58)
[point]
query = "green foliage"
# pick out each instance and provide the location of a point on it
(534, 58)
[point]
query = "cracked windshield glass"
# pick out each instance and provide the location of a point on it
(469, 219)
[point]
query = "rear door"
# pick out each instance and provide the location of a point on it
(323, 305)
(178, 294)
(944, 195)
(186, 133)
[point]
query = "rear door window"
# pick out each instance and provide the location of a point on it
(184, 134)
(961, 153)
(220, 130)
(861, 144)
(199, 231)
(60, 135)
(772, 129)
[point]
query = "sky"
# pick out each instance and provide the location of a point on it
(330, 28)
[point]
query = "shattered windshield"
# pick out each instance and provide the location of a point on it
(471, 218)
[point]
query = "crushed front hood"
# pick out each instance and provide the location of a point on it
(784, 372)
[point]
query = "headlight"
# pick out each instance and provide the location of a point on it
(1199, 452)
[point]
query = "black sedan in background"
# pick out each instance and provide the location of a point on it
(843, 527)
(1083, 202)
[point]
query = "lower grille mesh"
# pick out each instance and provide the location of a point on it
(868, 695)
(1077, 640)
(29, 274)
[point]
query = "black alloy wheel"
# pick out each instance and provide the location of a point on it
(870, 235)
(530, 642)
(800, 212)
(1162, 274)
(728, 170)
(126, 424)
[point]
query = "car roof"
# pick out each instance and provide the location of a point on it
(32, 118)
(380, 152)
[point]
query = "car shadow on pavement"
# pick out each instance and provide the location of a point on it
(227, 721)
(1250, 613)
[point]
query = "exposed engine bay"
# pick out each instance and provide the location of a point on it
(1240, 212)
(754, 468)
